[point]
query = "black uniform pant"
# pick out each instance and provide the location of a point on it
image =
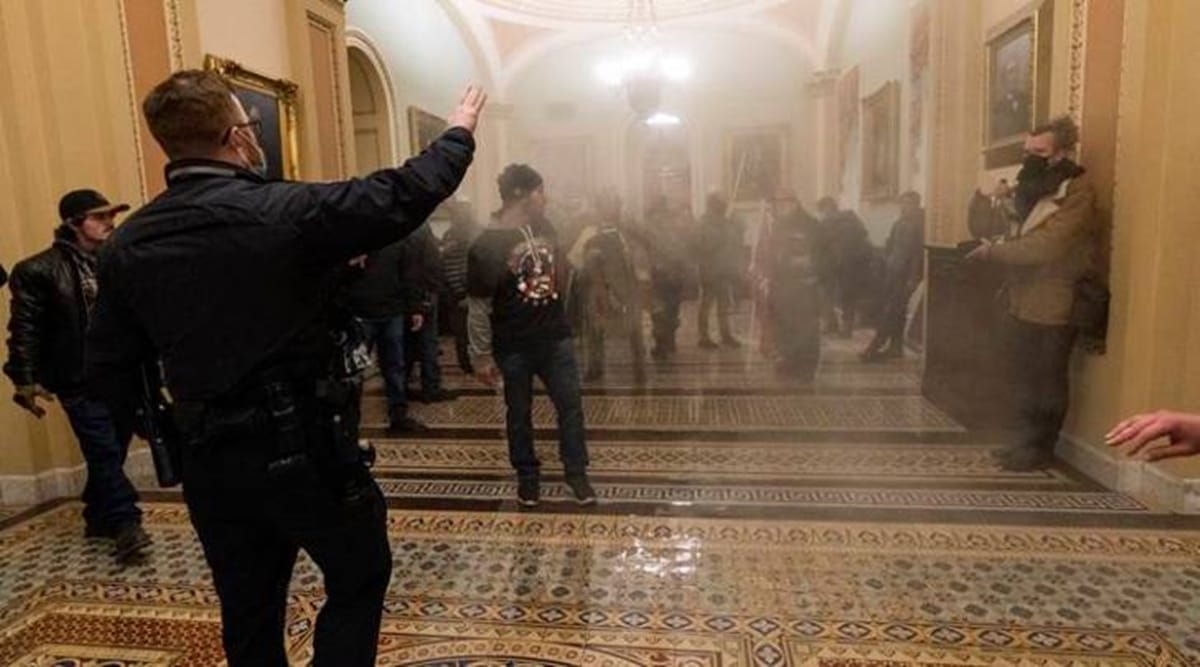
(252, 526)
(1039, 363)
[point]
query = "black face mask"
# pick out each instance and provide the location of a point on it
(1038, 179)
(1033, 168)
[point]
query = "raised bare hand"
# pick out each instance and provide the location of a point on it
(469, 108)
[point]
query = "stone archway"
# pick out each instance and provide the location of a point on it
(373, 106)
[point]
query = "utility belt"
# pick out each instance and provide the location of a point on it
(310, 427)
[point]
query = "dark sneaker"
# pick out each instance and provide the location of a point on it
(708, 344)
(529, 491)
(581, 489)
(131, 541)
(406, 425)
(732, 343)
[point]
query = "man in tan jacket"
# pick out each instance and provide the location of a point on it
(1050, 248)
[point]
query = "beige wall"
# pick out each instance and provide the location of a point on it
(72, 75)
(65, 64)
(1155, 334)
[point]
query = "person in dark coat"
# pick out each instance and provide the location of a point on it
(719, 250)
(845, 265)
(669, 272)
(793, 289)
(54, 293)
(383, 299)
(456, 245)
(903, 258)
(425, 278)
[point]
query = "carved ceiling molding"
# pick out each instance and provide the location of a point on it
(612, 11)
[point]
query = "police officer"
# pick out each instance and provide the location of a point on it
(225, 280)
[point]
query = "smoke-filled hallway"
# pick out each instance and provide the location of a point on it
(743, 521)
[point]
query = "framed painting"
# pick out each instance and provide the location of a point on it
(847, 122)
(273, 102)
(1017, 97)
(756, 161)
(881, 143)
(423, 129)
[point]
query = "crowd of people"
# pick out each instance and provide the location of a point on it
(253, 302)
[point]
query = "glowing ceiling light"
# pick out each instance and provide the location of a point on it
(675, 68)
(610, 73)
(661, 119)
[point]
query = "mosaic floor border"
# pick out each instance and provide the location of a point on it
(723, 413)
(963, 462)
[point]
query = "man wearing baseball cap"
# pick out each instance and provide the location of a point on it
(53, 293)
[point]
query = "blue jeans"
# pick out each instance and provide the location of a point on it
(110, 501)
(555, 364)
(425, 351)
(386, 336)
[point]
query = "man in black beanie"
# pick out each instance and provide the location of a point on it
(518, 329)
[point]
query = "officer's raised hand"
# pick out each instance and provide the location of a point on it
(467, 114)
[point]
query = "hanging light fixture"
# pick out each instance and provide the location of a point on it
(643, 67)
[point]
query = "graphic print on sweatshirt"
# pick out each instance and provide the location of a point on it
(532, 262)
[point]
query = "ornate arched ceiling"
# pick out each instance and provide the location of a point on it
(512, 35)
(616, 10)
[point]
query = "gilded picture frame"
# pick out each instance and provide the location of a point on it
(273, 102)
(1017, 92)
(881, 143)
(423, 128)
(756, 162)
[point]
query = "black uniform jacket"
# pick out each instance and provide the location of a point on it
(226, 277)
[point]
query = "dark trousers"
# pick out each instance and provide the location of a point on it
(554, 363)
(252, 525)
(1039, 361)
(664, 320)
(424, 351)
(109, 499)
(892, 318)
(386, 336)
(796, 320)
(458, 322)
(718, 292)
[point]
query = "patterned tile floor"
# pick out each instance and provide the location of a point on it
(745, 521)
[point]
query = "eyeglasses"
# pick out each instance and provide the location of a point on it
(254, 123)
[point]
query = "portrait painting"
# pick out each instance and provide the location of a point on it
(423, 128)
(881, 143)
(272, 104)
(847, 120)
(756, 163)
(1017, 95)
